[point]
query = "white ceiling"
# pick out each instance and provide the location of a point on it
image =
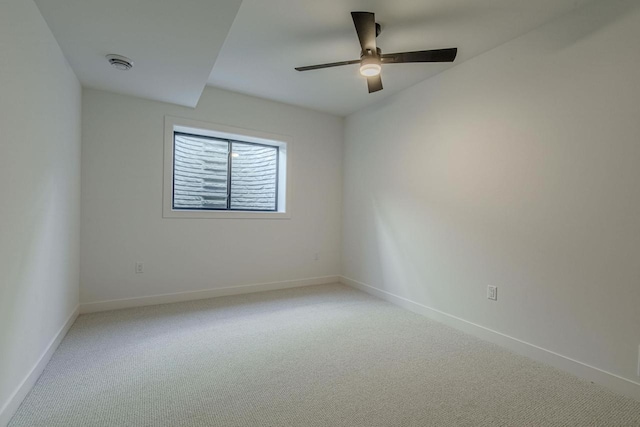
(269, 38)
(175, 43)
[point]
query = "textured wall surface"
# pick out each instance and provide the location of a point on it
(200, 173)
(253, 177)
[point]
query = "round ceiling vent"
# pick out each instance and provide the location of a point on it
(120, 62)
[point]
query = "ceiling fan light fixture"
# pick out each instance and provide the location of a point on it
(370, 67)
(371, 57)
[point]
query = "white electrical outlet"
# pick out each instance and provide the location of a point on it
(139, 267)
(492, 293)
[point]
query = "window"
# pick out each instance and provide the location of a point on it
(214, 171)
(216, 174)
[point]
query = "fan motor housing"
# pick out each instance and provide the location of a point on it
(368, 53)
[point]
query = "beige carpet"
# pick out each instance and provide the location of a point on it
(316, 356)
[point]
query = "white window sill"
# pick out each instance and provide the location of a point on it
(186, 214)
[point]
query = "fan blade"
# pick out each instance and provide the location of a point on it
(365, 23)
(374, 83)
(331, 64)
(436, 55)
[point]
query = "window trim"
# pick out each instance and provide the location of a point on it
(284, 144)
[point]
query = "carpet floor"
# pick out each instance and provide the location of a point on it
(315, 356)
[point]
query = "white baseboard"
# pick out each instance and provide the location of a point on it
(11, 405)
(116, 304)
(607, 379)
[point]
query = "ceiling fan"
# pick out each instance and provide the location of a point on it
(372, 58)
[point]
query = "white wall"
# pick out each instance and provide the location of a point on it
(122, 223)
(519, 168)
(39, 192)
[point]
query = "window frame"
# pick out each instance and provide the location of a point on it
(230, 134)
(230, 158)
